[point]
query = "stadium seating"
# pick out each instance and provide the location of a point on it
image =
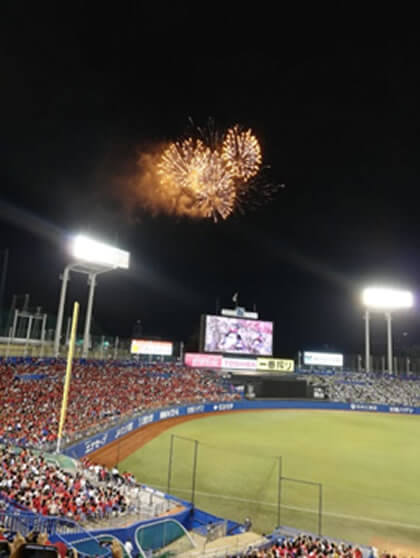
(358, 387)
(103, 393)
(307, 545)
(29, 482)
(100, 394)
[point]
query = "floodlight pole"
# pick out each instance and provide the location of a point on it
(28, 335)
(89, 262)
(389, 340)
(92, 285)
(367, 342)
(14, 326)
(92, 272)
(64, 279)
(43, 328)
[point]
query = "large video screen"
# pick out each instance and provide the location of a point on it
(149, 347)
(235, 335)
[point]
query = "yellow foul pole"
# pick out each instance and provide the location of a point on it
(68, 374)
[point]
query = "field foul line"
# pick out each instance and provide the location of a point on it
(296, 508)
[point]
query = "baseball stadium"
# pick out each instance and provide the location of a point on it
(139, 449)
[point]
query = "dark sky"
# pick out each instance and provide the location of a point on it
(335, 108)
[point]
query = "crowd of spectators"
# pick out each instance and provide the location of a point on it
(100, 394)
(306, 545)
(33, 484)
(15, 545)
(358, 387)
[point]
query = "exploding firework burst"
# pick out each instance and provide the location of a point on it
(182, 163)
(241, 152)
(207, 175)
(191, 168)
(217, 194)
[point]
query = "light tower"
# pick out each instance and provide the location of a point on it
(383, 299)
(91, 258)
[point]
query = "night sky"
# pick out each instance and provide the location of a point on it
(336, 111)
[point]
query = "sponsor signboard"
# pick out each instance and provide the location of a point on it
(239, 313)
(124, 429)
(195, 409)
(275, 364)
(322, 359)
(95, 443)
(98, 441)
(149, 347)
(363, 407)
(223, 407)
(169, 413)
(202, 360)
(146, 419)
(239, 363)
(403, 410)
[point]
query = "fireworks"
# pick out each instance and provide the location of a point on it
(241, 153)
(182, 163)
(210, 176)
(216, 195)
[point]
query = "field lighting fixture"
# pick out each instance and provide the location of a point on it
(387, 300)
(92, 258)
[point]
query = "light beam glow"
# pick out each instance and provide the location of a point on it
(89, 250)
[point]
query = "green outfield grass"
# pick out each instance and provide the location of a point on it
(368, 464)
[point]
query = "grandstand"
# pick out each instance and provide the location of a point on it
(80, 499)
(359, 387)
(102, 394)
(77, 501)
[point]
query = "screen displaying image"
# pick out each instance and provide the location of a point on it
(233, 335)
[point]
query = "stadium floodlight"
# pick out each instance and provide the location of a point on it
(92, 258)
(383, 299)
(379, 298)
(89, 250)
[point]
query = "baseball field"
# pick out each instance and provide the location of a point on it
(368, 465)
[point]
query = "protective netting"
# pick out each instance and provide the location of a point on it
(239, 485)
(300, 503)
(242, 485)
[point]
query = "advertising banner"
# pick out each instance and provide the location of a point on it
(202, 360)
(239, 313)
(275, 364)
(239, 363)
(322, 359)
(100, 440)
(149, 347)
